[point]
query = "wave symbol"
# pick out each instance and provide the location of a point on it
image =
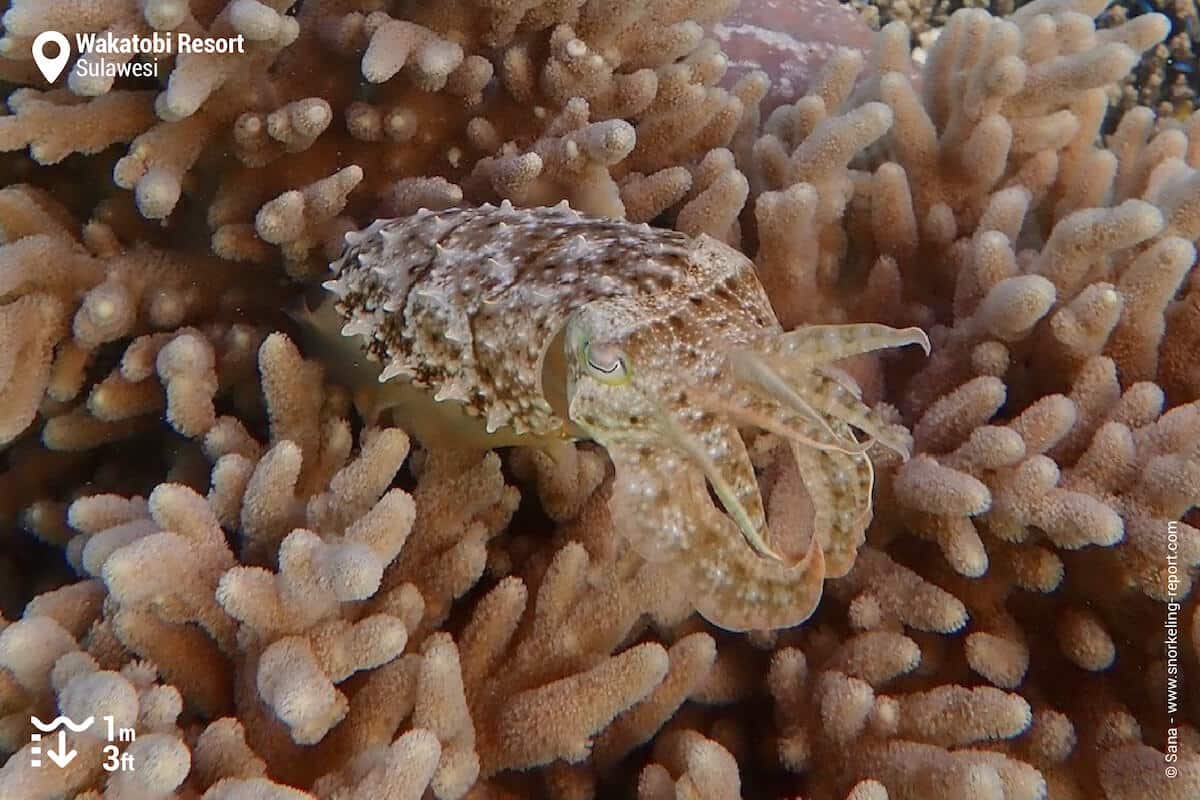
(45, 727)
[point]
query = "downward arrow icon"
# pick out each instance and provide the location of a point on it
(62, 756)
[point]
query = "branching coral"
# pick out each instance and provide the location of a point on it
(206, 537)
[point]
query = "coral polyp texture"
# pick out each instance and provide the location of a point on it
(295, 583)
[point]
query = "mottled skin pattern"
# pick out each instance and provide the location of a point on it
(543, 325)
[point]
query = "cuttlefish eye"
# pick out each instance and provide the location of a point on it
(606, 363)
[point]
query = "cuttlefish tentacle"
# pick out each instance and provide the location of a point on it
(717, 448)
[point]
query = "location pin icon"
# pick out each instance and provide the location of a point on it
(51, 67)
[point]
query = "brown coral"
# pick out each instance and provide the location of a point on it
(203, 537)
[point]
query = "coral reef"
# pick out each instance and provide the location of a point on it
(1167, 78)
(205, 540)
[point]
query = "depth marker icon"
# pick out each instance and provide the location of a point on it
(64, 754)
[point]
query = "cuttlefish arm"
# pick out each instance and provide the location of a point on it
(826, 392)
(736, 590)
(839, 487)
(642, 501)
(795, 371)
(813, 345)
(730, 584)
(838, 476)
(717, 448)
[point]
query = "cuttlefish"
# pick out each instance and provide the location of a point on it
(498, 326)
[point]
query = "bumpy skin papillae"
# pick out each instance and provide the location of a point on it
(539, 325)
(465, 302)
